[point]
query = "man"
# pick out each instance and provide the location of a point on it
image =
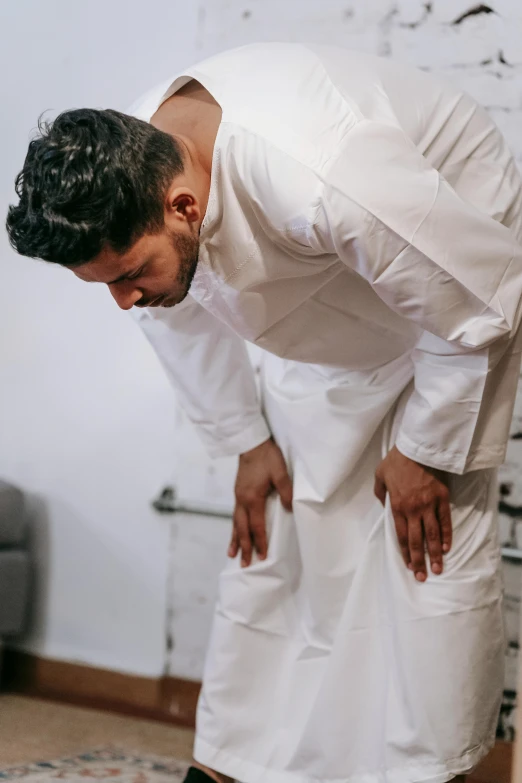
(361, 223)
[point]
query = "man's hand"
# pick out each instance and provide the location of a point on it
(419, 500)
(260, 471)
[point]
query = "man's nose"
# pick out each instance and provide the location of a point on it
(125, 298)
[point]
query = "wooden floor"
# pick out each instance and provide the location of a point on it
(35, 730)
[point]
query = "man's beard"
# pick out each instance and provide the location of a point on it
(187, 248)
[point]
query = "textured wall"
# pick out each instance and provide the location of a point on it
(474, 45)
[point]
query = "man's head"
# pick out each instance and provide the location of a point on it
(108, 196)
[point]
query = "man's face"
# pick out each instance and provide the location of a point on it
(156, 272)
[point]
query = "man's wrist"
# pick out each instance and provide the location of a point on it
(256, 450)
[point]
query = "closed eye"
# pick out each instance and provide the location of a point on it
(136, 274)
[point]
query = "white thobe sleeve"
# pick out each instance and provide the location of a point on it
(209, 367)
(453, 270)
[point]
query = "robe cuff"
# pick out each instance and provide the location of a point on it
(225, 444)
(440, 459)
(452, 461)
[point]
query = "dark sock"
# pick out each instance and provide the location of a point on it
(195, 775)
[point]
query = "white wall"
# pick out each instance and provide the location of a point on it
(87, 420)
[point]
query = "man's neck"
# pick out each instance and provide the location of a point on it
(192, 112)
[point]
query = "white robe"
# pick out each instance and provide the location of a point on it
(364, 228)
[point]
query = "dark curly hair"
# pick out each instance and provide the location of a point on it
(91, 178)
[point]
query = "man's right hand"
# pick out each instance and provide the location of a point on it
(260, 471)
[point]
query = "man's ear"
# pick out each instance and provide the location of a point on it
(182, 205)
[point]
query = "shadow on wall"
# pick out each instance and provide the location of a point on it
(39, 550)
(92, 600)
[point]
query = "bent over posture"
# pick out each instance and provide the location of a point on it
(361, 223)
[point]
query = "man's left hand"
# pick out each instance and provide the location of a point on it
(419, 500)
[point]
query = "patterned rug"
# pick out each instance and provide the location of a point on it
(103, 764)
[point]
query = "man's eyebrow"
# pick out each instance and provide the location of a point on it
(120, 278)
(125, 275)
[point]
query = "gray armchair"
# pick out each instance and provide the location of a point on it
(14, 560)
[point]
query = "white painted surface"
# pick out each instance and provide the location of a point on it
(87, 419)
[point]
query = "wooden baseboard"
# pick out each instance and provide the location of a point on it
(166, 699)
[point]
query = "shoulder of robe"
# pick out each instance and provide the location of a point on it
(281, 191)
